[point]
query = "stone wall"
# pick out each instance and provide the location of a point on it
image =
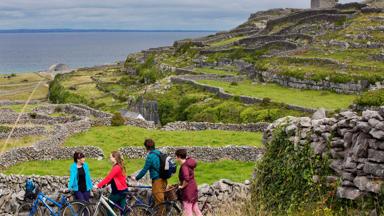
(267, 76)
(12, 189)
(239, 153)
(198, 126)
(24, 131)
(354, 143)
(222, 94)
(293, 17)
(17, 102)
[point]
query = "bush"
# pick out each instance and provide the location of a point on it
(371, 98)
(283, 180)
(234, 84)
(4, 129)
(117, 119)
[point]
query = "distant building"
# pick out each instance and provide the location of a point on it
(131, 115)
(315, 4)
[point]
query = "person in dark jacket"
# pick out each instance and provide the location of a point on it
(188, 184)
(80, 178)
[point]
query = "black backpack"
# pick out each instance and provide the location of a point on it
(166, 172)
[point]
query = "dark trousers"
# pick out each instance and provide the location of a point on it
(119, 199)
(82, 196)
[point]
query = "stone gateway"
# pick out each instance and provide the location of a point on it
(323, 3)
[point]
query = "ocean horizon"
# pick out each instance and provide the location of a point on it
(22, 52)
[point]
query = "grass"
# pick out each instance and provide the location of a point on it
(20, 78)
(204, 173)
(113, 138)
(19, 107)
(226, 41)
(40, 93)
(19, 142)
(214, 71)
(305, 98)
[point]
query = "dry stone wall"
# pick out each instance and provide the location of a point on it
(202, 153)
(12, 190)
(354, 143)
(198, 126)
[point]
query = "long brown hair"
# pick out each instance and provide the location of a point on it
(119, 160)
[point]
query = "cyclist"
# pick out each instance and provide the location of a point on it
(188, 184)
(80, 178)
(117, 179)
(152, 163)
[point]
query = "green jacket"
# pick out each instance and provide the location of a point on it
(152, 163)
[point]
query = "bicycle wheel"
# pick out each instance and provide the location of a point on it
(25, 210)
(140, 210)
(167, 209)
(74, 208)
(90, 209)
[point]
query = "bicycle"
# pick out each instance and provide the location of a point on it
(172, 205)
(105, 205)
(64, 207)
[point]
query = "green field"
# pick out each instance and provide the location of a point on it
(214, 71)
(205, 172)
(305, 98)
(18, 142)
(114, 138)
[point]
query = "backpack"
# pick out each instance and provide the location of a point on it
(30, 189)
(167, 165)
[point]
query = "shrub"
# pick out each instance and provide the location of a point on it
(117, 119)
(33, 115)
(234, 84)
(4, 129)
(371, 98)
(283, 180)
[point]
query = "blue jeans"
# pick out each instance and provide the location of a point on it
(82, 196)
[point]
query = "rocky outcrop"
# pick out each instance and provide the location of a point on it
(353, 142)
(239, 153)
(148, 109)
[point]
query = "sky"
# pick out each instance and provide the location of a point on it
(135, 14)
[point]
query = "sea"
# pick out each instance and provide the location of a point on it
(37, 51)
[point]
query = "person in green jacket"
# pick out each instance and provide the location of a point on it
(152, 163)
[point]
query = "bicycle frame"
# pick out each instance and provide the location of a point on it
(42, 198)
(104, 201)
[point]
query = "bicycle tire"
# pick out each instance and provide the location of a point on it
(77, 206)
(140, 210)
(102, 211)
(25, 208)
(167, 209)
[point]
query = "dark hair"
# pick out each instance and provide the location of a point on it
(181, 153)
(149, 144)
(77, 156)
(119, 159)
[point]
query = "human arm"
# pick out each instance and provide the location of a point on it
(116, 169)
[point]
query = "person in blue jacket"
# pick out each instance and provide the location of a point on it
(80, 178)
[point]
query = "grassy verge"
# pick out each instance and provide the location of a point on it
(205, 172)
(113, 138)
(305, 98)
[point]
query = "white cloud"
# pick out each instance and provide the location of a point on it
(135, 14)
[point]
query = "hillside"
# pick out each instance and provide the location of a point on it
(220, 96)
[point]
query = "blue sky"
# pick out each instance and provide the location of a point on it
(135, 14)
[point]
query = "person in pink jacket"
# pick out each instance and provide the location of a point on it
(188, 184)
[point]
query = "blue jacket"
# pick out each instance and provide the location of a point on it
(152, 163)
(73, 179)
